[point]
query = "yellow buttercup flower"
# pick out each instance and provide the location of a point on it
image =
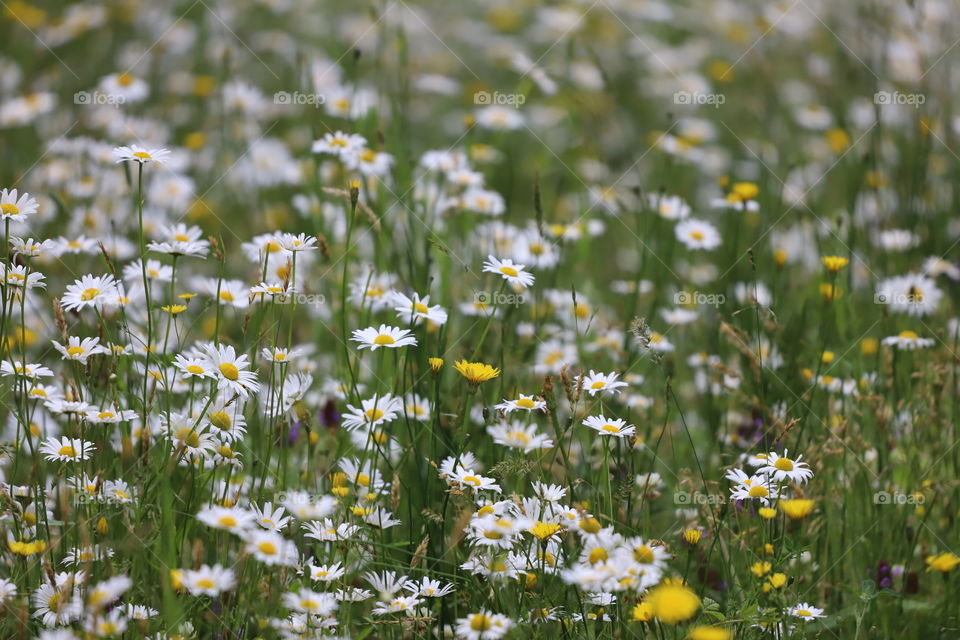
(796, 509)
(710, 633)
(476, 372)
(834, 263)
(943, 562)
(544, 530)
(673, 602)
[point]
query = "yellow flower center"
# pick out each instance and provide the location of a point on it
(784, 464)
(221, 420)
(143, 155)
(195, 369)
(480, 622)
(229, 371)
(227, 521)
(643, 554)
(526, 403)
(475, 481)
(9, 209)
(67, 451)
(75, 351)
(383, 339)
(598, 555)
(758, 491)
(509, 271)
(89, 294)
(267, 547)
(611, 428)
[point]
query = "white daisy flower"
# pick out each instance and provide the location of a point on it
(391, 337)
(511, 272)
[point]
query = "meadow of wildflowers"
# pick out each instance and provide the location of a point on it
(400, 319)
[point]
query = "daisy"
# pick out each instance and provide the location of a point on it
(155, 271)
(416, 407)
(610, 426)
(697, 234)
(181, 240)
(373, 411)
(549, 492)
(518, 436)
(399, 604)
(339, 144)
(311, 602)
(89, 291)
(18, 276)
(908, 341)
(326, 573)
(16, 207)
(209, 581)
(140, 154)
(8, 590)
(302, 242)
(429, 588)
(271, 548)
(110, 415)
(469, 478)
(484, 625)
(670, 207)
(57, 605)
(522, 403)
(805, 611)
(782, 468)
(512, 273)
(499, 118)
(415, 310)
(230, 519)
(107, 625)
(80, 350)
(124, 87)
(747, 487)
(392, 337)
(369, 162)
(270, 518)
(108, 591)
(913, 294)
(327, 531)
(29, 248)
(595, 382)
(66, 449)
(280, 356)
(193, 367)
(234, 293)
(231, 370)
